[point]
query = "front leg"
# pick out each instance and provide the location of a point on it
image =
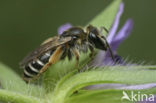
(108, 46)
(77, 55)
(91, 48)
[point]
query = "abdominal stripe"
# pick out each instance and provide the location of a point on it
(33, 68)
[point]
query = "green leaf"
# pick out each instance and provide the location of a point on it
(106, 17)
(103, 75)
(12, 97)
(105, 96)
(10, 81)
(58, 70)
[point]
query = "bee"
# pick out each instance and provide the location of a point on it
(70, 43)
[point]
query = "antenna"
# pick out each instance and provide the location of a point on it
(109, 48)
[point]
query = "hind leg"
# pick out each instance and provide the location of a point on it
(53, 59)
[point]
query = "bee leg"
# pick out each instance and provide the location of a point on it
(108, 46)
(76, 53)
(104, 28)
(91, 48)
(53, 59)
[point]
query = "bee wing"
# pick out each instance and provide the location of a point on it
(53, 43)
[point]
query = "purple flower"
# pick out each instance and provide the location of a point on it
(114, 39)
(63, 28)
(122, 86)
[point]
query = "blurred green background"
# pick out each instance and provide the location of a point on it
(24, 24)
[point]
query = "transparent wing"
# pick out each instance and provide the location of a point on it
(53, 43)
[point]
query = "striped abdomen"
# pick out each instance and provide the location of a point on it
(33, 68)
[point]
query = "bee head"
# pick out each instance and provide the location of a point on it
(95, 38)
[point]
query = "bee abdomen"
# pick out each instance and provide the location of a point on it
(33, 68)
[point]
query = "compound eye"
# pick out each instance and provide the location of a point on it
(92, 35)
